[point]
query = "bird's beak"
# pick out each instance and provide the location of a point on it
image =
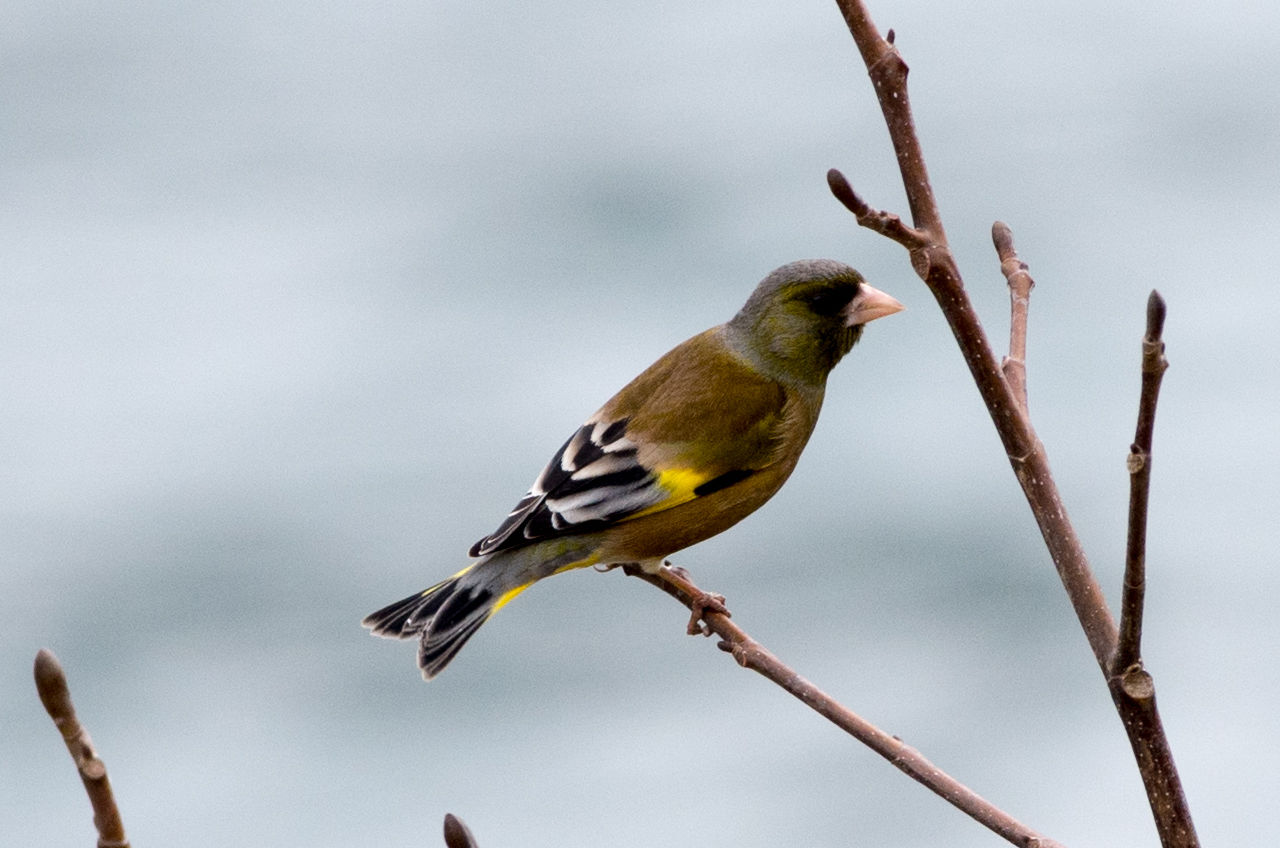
(870, 304)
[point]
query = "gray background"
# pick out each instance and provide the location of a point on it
(298, 299)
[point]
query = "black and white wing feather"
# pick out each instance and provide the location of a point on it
(594, 480)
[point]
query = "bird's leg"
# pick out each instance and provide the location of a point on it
(699, 601)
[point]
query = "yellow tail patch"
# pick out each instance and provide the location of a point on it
(509, 595)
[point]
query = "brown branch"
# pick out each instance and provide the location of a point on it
(1154, 364)
(1132, 688)
(943, 279)
(1016, 274)
(751, 654)
(937, 267)
(51, 684)
(885, 223)
(889, 76)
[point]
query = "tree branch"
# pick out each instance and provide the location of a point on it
(1132, 688)
(1129, 650)
(51, 684)
(885, 223)
(1016, 274)
(942, 277)
(937, 267)
(751, 654)
(889, 76)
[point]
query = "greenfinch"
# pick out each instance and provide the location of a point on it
(701, 439)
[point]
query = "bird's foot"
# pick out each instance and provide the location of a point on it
(700, 602)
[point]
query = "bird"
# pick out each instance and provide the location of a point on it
(698, 441)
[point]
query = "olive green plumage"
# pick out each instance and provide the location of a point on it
(694, 444)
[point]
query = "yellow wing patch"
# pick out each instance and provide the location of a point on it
(680, 485)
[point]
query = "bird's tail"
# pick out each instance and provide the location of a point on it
(445, 616)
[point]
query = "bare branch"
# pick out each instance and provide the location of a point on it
(1132, 688)
(751, 654)
(1020, 283)
(885, 223)
(937, 267)
(1134, 694)
(889, 76)
(1154, 364)
(51, 684)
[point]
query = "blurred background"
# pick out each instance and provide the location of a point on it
(299, 298)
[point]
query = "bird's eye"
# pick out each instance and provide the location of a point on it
(830, 300)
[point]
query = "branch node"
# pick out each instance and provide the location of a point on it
(1137, 683)
(921, 263)
(1020, 459)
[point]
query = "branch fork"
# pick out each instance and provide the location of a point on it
(1003, 388)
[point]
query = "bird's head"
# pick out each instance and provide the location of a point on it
(804, 317)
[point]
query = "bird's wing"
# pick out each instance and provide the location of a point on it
(694, 423)
(594, 480)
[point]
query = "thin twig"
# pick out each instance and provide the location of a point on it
(1154, 364)
(51, 684)
(1020, 283)
(885, 223)
(1132, 688)
(751, 654)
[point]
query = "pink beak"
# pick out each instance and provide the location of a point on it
(870, 304)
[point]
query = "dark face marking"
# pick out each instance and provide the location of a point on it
(830, 299)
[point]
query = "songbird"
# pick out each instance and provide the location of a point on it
(698, 441)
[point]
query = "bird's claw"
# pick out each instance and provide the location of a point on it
(699, 605)
(700, 602)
